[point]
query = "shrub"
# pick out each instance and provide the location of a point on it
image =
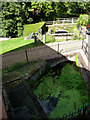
(83, 20)
(49, 38)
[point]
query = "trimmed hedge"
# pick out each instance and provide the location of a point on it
(32, 28)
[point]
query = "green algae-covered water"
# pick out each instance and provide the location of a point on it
(62, 90)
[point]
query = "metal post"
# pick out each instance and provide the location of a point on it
(58, 49)
(86, 48)
(26, 55)
(35, 38)
(67, 37)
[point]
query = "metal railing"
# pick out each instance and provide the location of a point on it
(78, 114)
(85, 48)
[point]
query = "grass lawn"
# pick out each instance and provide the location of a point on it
(17, 44)
(66, 86)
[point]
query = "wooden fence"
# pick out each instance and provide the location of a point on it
(62, 21)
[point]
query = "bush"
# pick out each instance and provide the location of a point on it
(83, 20)
(49, 38)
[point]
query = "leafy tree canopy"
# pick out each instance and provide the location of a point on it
(15, 15)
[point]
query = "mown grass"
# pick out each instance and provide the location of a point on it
(17, 44)
(70, 81)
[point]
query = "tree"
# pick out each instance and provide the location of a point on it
(78, 7)
(47, 10)
(15, 15)
(41, 10)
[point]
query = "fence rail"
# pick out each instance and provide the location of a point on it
(62, 20)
